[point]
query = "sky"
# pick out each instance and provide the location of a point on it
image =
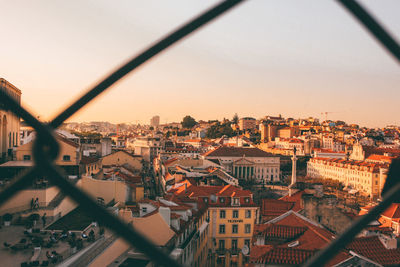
(264, 57)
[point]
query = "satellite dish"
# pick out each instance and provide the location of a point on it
(245, 250)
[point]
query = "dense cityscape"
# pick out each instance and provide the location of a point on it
(241, 191)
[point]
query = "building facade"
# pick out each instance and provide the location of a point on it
(9, 122)
(365, 177)
(247, 163)
(232, 215)
(247, 123)
(155, 121)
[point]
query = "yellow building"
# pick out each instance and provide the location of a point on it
(122, 157)
(107, 190)
(232, 215)
(364, 177)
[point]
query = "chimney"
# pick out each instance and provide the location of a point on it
(165, 212)
(388, 241)
(318, 190)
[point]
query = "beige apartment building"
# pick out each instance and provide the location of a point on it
(9, 122)
(364, 177)
(247, 123)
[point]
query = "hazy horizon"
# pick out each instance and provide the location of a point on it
(263, 58)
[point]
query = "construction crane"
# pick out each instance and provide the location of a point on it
(326, 114)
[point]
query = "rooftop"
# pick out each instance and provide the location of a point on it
(225, 151)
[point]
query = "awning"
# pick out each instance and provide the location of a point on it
(353, 191)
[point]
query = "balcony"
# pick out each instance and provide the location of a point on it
(189, 238)
(234, 251)
(221, 252)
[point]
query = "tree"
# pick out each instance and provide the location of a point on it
(218, 130)
(235, 119)
(188, 122)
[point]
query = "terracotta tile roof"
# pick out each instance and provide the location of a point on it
(286, 256)
(296, 199)
(224, 151)
(365, 210)
(149, 201)
(193, 140)
(369, 150)
(227, 192)
(393, 211)
(88, 160)
(67, 141)
(275, 207)
(295, 140)
(371, 166)
(257, 252)
(284, 231)
(380, 158)
(339, 257)
(380, 229)
(129, 178)
(314, 237)
(372, 248)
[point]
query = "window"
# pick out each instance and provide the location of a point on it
(222, 228)
(247, 242)
(236, 201)
(234, 244)
(222, 214)
(235, 228)
(144, 209)
(247, 199)
(66, 158)
(222, 200)
(235, 214)
(247, 228)
(222, 244)
(27, 157)
(248, 213)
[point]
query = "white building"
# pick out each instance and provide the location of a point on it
(9, 122)
(147, 147)
(247, 163)
(290, 144)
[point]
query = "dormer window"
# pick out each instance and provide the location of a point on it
(206, 199)
(222, 199)
(236, 201)
(247, 199)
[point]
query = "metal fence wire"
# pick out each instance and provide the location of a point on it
(46, 148)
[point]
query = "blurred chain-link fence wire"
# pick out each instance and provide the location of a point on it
(46, 148)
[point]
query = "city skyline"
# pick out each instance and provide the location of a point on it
(260, 59)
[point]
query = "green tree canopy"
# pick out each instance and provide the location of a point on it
(218, 130)
(188, 122)
(235, 119)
